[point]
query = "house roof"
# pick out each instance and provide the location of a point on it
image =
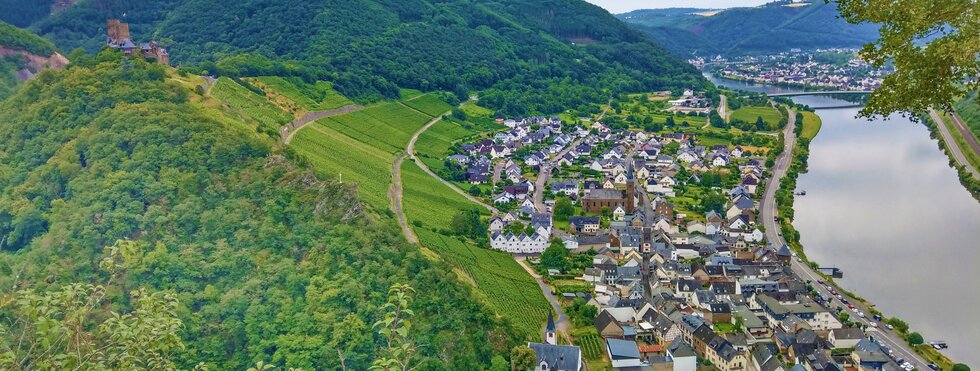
(622, 349)
(558, 357)
(848, 333)
(678, 348)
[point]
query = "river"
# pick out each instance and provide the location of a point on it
(884, 205)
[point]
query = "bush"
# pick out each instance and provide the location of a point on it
(915, 339)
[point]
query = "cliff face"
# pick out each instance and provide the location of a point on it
(34, 63)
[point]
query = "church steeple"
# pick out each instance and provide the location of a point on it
(549, 331)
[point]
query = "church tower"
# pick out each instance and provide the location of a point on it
(629, 200)
(550, 336)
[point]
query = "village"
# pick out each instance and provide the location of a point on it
(801, 68)
(660, 235)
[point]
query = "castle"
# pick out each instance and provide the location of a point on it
(117, 37)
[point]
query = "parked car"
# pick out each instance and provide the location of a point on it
(861, 314)
(890, 327)
(934, 366)
(873, 324)
(877, 317)
(844, 300)
(850, 306)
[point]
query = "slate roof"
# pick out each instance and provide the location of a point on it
(622, 349)
(558, 357)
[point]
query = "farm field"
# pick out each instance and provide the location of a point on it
(506, 287)
(338, 156)
(309, 97)
(750, 114)
(241, 103)
(428, 104)
(434, 144)
(429, 202)
(387, 126)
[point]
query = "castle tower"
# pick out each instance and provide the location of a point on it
(117, 31)
(550, 336)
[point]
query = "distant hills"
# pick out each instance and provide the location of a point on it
(526, 56)
(774, 27)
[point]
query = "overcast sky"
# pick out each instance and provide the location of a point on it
(623, 6)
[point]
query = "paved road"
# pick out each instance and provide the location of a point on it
(561, 322)
(287, 131)
(954, 147)
(768, 212)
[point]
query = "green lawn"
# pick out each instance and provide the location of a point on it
(811, 125)
(750, 114)
(309, 97)
(247, 106)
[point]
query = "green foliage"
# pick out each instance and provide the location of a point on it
(516, 51)
(961, 367)
(554, 256)
(467, 223)
(563, 209)
(522, 358)
(400, 352)
(581, 313)
(266, 261)
(899, 325)
(914, 339)
(969, 110)
(19, 39)
(428, 104)
(247, 106)
(591, 344)
(770, 28)
(318, 96)
(933, 47)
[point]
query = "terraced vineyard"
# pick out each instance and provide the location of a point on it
(309, 97)
(429, 202)
(433, 145)
(508, 289)
(428, 104)
(337, 156)
(245, 105)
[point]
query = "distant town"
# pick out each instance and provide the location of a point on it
(834, 69)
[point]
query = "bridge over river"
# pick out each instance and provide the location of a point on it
(831, 92)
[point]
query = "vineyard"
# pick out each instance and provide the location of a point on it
(309, 97)
(510, 291)
(248, 106)
(433, 145)
(429, 202)
(338, 156)
(387, 126)
(428, 104)
(591, 345)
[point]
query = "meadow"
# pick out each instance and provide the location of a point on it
(245, 105)
(751, 113)
(811, 125)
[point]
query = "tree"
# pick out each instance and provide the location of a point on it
(499, 363)
(400, 352)
(522, 358)
(961, 367)
(555, 256)
(915, 339)
(930, 74)
(563, 208)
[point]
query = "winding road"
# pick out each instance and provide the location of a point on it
(954, 147)
(561, 322)
(802, 270)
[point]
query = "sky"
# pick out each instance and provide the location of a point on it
(623, 6)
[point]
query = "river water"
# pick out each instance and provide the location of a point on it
(884, 205)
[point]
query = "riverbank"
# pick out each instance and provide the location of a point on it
(945, 135)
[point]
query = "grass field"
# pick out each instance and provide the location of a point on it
(750, 114)
(247, 106)
(428, 104)
(505, 286)
(309, 97)
(474, 110)
(811, 125)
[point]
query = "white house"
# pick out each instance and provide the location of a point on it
(754, 236)
(519, 244)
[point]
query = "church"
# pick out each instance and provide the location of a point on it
(554, 357)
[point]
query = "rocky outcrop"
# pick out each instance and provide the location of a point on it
(35, 63)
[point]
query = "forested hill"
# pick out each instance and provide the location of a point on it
(22, 54)
(526, 55)
(775, 27)
(267, 262)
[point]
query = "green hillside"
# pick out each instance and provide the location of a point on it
(969, 110)
(528, 56)
(23, 40)
(771, 28)
(268, 262)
